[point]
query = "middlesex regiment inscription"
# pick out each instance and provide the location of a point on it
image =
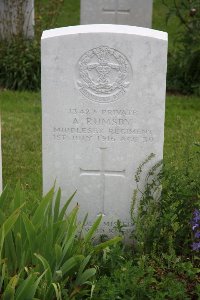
(103, 103)
(102, 125)
(104, 74)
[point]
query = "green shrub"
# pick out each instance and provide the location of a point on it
(144, 278)
(184, 61)
(20, 64)
(43, 251)
(161, 263)
(20, 57)
(163, 222)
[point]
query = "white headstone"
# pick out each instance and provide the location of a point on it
(125, 12)
(16, 17)
(103, 98)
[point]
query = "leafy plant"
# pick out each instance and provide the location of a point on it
(163, 221)
(44, 252)
(142, 277)
(184, 61)
(19, 56)
(47, 13)
(20, 64)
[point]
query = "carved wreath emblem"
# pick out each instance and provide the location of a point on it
(104, 74)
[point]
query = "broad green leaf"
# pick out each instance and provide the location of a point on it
(67, 246)
(4, 198)
(9, 222)
(72, 226)
(63, 211)
(26, 289)
(82, 279)
(60, 228)
(35, 285)
(8, 294)
(57, 205)
(2, 241)
(10, 288)
(2, 217)
(14, 281)
(49, 237)
(47, 268)
(31, 232)
(18, 199)
(10, 252)
(3, 274)
(40, 212)
(58, 253)
(57, 290)
(71, 263)
(92, 230)
(107, 243)
(18, 246)
(83, 265)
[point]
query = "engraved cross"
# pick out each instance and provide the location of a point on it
(116, 11)
(103, 172)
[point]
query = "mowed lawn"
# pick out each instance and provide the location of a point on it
(21, 136)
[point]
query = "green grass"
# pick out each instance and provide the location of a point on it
(172, 27)
(21, 119)
(21, 139)
(131, 277)
(182, 130)
(21, 135)
(70, 15)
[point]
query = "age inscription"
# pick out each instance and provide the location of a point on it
(102, 125)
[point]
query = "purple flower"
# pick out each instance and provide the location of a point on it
(196, 246)
(195, 226)
(195, 223)
(197, 234)
(196, 215)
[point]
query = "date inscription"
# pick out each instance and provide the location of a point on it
(103, 125)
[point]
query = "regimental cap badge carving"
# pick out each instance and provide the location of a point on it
(104, 74)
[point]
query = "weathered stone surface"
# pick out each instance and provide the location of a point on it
(125, 12)
(103, 98)
(16, 17)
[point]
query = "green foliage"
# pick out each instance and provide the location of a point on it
(47, 13)
(161, 263)
(20, 57)
(20, 64)
(44, 252)
(184, 60)
(163, 222)
(142, 277)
